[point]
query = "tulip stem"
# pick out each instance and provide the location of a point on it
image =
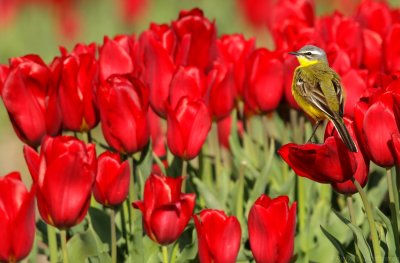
(64, 245)
(184, 174)
(393, 208)
(370, 217)
(353, 220)
(88, 137)
(165, 254)
(51, 235)
(113, 236)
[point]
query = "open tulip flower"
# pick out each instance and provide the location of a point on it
(63, 173)
(17, 218)
(272, 226)
(166, 211)
(219, 236)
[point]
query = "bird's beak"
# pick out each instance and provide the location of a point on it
(294, 53)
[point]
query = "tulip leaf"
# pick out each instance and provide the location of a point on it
(99, 220)
(336, 244)
(86, 245)
(187, 244)
(175, 167)
(390, 239)
(145, 161)
(211, 198)
(359, 238)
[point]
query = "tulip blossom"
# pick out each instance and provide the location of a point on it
(362, 160)
(330, 162)
(264, 81)
(380, 128)
(272, 225)
(196, 37)
(112, 180)
(166, 211)
(219, 236)
(29, 96)
(63, 174)
(188, 125)
(374, 15)
(77, 91)
(17, 218)
(392, 49)
(235, 49)
(116, 56)
(123, 104)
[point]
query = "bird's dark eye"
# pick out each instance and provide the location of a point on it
(308, 54)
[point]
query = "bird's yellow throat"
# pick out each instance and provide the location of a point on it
(306, 62)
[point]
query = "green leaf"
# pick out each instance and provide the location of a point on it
(359, 238)
(87, 245)
(209, 196)
(389, 236)
(336, 244)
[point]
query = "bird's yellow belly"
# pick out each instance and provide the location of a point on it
(310, 110)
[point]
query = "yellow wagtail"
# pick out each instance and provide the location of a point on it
(317, 90)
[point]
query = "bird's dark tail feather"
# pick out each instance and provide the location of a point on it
(344, 134)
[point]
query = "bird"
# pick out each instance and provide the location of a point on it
(317, 90)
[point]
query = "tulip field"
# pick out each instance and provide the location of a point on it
(166, 131)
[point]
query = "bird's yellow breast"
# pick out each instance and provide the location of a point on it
(304, 62)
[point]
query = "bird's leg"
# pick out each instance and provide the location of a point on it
(314, 130)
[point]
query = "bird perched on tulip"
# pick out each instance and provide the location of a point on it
(317, 90)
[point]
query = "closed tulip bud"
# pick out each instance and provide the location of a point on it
(29, 96)
(264, 81)
(164, 206)
(77, 91)
(374, 15)
(123, 104)
(112, 180)
(272, 225)
(196, 37)
(116, 56)
(63, 174)
(17, 218)
(380, 125)
(188, 125)
(159, 66)
(220, 85)
(219, 236)
(330, 162)
(235, 49)
(355, 86)
(392, 50)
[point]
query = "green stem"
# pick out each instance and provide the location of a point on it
(301, 202)
(165, 254)
(393, 208)
(240, 196)
(88, 137)
(370, 217)
(64, 245)
(175, 251)
(353, 220)
(113, 236)
(51, 235)
(217, 154)
(184, 174)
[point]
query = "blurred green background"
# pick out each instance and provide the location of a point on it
(34, 29)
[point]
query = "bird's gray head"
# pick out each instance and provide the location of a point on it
(310, 53)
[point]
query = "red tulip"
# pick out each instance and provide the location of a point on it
(264, 81)
(187, 127)
(392, 49)
(116, 56)
(235, 49)
(187, 82)
(196, 37)
(330, 162)
(272, 226)
(362, 160)
(355, 86)
(17, 218)
(157, 134)
(63, 173)
(29, 96)
(4, 70)
(123, 105)
(77, 91)
(132, 9)
(112, 180)
(157, 47)
(380, 126)
(375, 16)
(219, 236)
(373, 47)
(164, 206)
(220, 85)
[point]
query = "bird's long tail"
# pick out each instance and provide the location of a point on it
(344, 134)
